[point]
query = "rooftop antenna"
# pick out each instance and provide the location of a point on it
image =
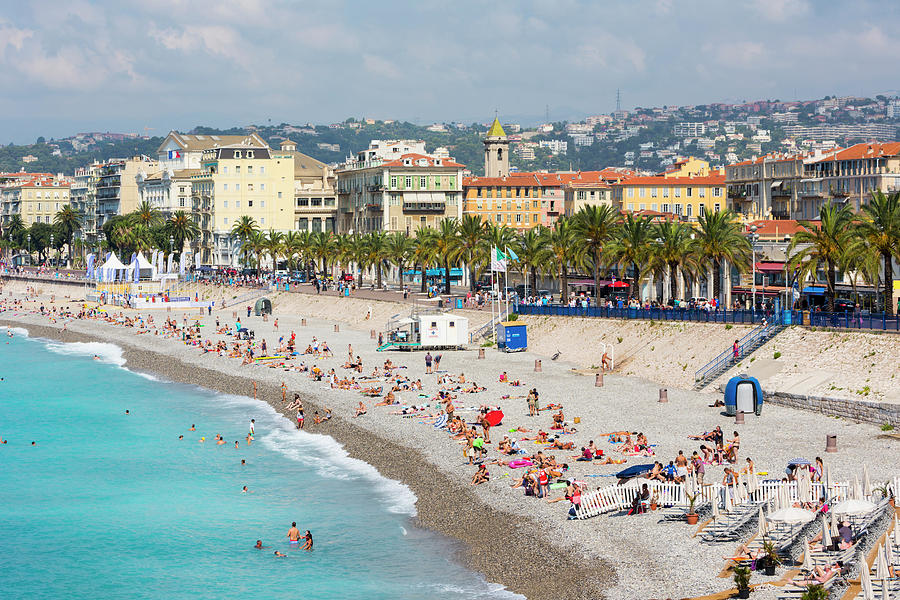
(618, 99)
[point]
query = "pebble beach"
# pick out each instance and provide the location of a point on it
(524, 543)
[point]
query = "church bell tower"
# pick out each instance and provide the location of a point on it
(496, 151)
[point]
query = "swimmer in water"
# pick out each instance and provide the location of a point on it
(245, 490)
(249, 439)
(243, 462)
(235, 444)
(180, 437)
(220, 442)
(308, 544)
(193, 427)
(203, 439)
(280, 555)
(293, 534)
(259, 545)
(96, 357)
(127, 412)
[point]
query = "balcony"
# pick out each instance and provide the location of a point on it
(426, 207)
(374, 206)
(837, 193)
(376, 187)
(737, 195)
(781, 191)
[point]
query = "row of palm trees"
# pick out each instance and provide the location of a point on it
(601, 241)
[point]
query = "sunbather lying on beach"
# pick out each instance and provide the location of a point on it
(745, 553)
(820, 575)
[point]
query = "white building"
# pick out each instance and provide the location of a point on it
(555, 146)
(688, 129)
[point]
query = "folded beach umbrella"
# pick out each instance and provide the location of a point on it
(881, 567)
(857, 489)
(729, 500)
(715, 507)
(867, 484)
(807, 557)
(834, 524)
(885, 590)
(889, 551)
(826, 481)
(826, 534)
(896, 531)
(752, 482)
(762, 528)
(866, 581)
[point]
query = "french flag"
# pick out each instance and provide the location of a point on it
(174, 154)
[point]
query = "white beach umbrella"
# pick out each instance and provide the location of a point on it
(881, 567)
(715, 506)
(867, 484)
(866, 581)
(885, 590)
(762, 528)
(853, 507)
(792, 515)
(888, 550)
(834, 524)
(807, 557)
(857, 489)
(752, 482)
(826, 481)
(826, 534)
(897, 531)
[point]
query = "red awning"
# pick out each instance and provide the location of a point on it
(770, 267)
(618, 284)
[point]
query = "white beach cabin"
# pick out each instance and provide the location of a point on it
(430, 330)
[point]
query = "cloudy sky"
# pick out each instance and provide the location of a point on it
(74, 65)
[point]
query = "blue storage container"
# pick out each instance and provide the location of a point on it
(512, 336)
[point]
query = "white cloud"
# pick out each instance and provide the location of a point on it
(780, 11)
(381, 66)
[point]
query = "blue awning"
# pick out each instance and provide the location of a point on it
(454, 272)
(814, 290)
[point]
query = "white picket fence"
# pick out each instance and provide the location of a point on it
(621, 497)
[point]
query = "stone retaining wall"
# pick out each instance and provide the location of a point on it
(855, 410)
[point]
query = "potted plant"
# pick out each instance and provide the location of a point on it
(691, 516)
(770, 558)
(742, 581)
(885, 492)
(815, 592)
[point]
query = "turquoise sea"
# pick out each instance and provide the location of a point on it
(108, 505)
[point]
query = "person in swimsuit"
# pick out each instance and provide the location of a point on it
(259, 545)
(308, 544)
(280, 555)
(293, 534)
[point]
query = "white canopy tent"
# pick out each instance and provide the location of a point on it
(112, 269)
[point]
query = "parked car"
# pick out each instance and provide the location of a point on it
(844, 305)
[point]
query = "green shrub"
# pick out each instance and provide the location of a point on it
(742, 577)
(619, 338)
(815, 592)
(727, 327)
(776, 355)
(887, 427)
(512, 317)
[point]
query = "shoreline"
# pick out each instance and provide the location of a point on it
(505, 548)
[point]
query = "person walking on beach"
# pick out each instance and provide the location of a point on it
(437, 362)
(428, 360)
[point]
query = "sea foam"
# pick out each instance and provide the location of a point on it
(322, 452)
(105, 352)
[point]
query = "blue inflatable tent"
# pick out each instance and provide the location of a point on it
(743, 394)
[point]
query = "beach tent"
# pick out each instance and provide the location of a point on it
(112, 269)
(145, 268)
(263, 307)
(743, 394)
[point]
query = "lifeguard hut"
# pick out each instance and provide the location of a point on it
(428, 329)
(512, 336)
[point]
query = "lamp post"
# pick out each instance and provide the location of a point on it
(754, 237)
(29, 247)
(50, 251)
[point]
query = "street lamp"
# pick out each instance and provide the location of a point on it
(50, 252)
(29, 245)
(171, 243)
(754, 237)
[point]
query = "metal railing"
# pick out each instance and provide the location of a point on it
(483, 331)
(656, 314)
(746, 344)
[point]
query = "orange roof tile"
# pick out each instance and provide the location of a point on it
(867, 150)
(445, 162)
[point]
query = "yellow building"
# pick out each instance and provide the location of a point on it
(688, 191)
(237, 181)
(35, 200)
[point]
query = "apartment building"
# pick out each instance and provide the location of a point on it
(397, 186)
(235, 181)
(688, 129)
(782, 186)
(515, 201)
(116, 186)
(35, 197)
(687, 190)
(592, 188)
(83, 199)
(315, 194)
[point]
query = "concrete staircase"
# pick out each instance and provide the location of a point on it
(725, 361)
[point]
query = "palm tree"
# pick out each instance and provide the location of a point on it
(719, 238)
(293, 247)
(471, 244)
(69, 221)
(321, 247)
(595, 226)
(273, 247)
(146, 215)
(825, 246)
(399, 248)
(257, 243)
(376, 249)
(631, 248)
(424, 252)
(531, 249)
(561, 250)
(446, 247)
(182, 228)
(880, 232)
(244, 229)
(674, 251)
